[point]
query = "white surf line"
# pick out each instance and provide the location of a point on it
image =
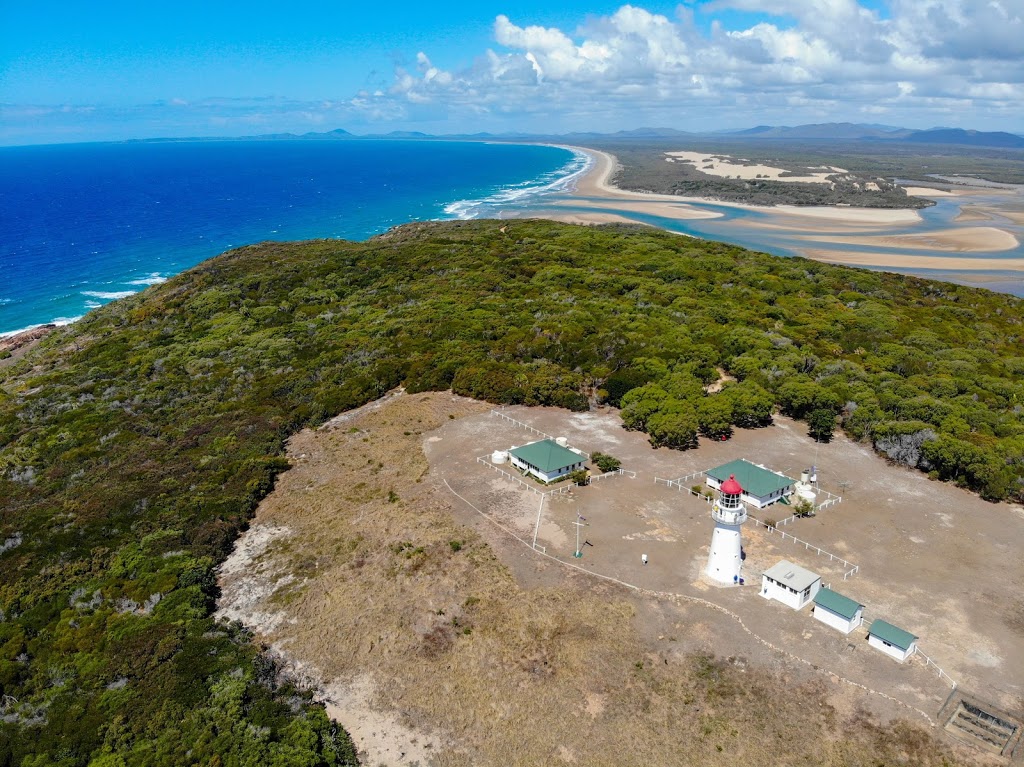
(695, 600)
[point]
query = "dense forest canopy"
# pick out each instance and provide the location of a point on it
(135, 444)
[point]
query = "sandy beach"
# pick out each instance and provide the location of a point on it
(818, 225)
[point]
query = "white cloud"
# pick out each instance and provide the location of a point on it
(834, 56)
(924, 62)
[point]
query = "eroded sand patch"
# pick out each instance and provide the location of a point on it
(726, 166)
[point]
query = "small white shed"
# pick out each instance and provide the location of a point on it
(837, 611)
(893, 641)
(790, 584)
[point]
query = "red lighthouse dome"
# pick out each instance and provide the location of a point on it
(731, 486)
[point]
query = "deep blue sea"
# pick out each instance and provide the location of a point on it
(83, 224)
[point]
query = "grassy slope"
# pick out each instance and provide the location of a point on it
(135, 444)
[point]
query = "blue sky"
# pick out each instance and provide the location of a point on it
(75, 71)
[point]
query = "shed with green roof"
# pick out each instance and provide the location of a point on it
(545, 459)
(761, 486)
(892, 640)
(838, 611)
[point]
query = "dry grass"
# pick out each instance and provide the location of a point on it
(388, 585)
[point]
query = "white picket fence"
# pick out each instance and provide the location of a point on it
(614, 473)
(562, 489)
(773, 530)
(929, 663)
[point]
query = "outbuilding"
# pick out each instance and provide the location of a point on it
(790, 584)
(545, 459)
(761, 486)
(893, 641)
(835, 610)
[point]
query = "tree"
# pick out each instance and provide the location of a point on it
(821, 424)
(714, 414)
(751, 405)
(674, 428)
(605, 462)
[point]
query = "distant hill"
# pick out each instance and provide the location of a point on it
(845, 131)
(821, 132)
(966, 137)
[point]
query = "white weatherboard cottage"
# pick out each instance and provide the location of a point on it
(790, 584)
(893, 641)
(837, 611)
(545, 459)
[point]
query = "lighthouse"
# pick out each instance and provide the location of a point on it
(729, 513)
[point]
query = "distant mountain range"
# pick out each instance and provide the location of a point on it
(813, 132)
(861, 132)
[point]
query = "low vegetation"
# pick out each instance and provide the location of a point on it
(135, 444)
(644, 168)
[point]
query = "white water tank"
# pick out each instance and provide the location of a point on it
(499, 456)
(561, 441)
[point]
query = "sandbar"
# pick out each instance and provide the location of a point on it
(960, 263)
(927, 191)
(582, 217)
(677, 210)
(989, 213)
(972, 239)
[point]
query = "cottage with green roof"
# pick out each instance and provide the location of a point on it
(761, 486)
(545, 459)
(893, 641)
(837, 611)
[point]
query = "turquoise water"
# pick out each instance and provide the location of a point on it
(734, 225)
(81, 225)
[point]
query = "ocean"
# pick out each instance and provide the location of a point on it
(84, 224)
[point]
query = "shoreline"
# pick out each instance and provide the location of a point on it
(817, 226)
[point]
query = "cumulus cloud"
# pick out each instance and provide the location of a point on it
(832, 56)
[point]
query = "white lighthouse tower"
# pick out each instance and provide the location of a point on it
(729, 513)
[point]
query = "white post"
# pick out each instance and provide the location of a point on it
(536, 528)
(580, 522)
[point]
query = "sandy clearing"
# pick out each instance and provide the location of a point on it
(379, 736)
(974, 239)
(863, 258)
(722, 165)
